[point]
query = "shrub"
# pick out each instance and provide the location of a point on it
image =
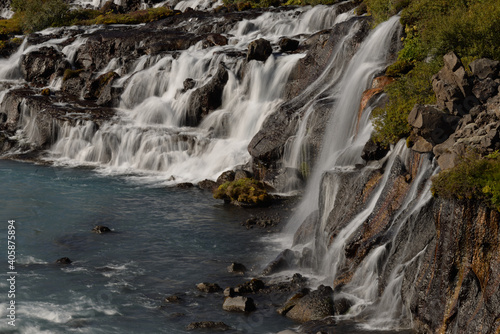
(473, 178)
(41, 14)
(245, 191)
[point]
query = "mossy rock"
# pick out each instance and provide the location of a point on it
(245, 191)
(68, 74)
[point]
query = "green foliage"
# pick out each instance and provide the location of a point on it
(474, 178)
(40, 14)
(391, 122)
(140, 16)
(245, 190)
(381, 10)
(11, 26)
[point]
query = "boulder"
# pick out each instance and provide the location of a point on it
(485, 68)
(373, 151)
(64, 260)
(431, 124)
(206, 98)
(99, 229)
(37, 66)
(260, 49)
(188, 84)
(239, 304)
(208, 287)
(485, 89)
(291, 303)
(207, 185)
(217, 39)
(252, 286)
(314, 306)
(210, 325)
(237, 268)
(229, 292)
(288, 44)
(285, 260)
(227, 176)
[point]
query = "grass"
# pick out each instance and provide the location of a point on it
(475, 178)
(245, 190)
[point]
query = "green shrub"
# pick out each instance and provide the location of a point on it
(40, 14)
(245, 190)
(473, 178)
(391, 121)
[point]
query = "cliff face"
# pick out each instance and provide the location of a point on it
(455, 287)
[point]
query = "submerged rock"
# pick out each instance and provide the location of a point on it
(64, 260)
(101, 229)
(211, 325)
(208, 287)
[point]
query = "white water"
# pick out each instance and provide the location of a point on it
(148, 136)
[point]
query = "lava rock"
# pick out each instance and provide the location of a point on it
(208, 287)
(260, 49)
(64, 260)
(288, 44)
(237, 268)
(99, 229)
(211, 325)
(239, 304)
(314, 306)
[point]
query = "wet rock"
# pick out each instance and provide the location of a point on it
(227, 176)
(173, 299)
(37, 66)
(217, 39)
(260, 49)
(206, 98)
(99, 229)
(236, 268)
(342, 305)
(291, 303)
(208, 287)
(210, 325)
(64, 260)
(239, 304)
(101, 89)
(241, 174)
(373, 151)
(189, 84)
(207, 185)
(229, 292)
(185, 185)
(262, 222)
(288, 44)
(314, 306)
(283, 261)
(252, 286)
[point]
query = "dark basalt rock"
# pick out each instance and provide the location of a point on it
(99, 229)
(64, 260)
(208, 287)
(37, 66)
(260, 49)
(288, 44)
(316, 305)
(210, 325)
(206, 98)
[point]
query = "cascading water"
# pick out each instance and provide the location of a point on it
(150, 133)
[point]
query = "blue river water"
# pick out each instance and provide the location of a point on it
(164, 242)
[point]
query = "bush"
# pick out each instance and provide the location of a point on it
(40, 14)
(474, 178)
(245, 191)
(391, 121)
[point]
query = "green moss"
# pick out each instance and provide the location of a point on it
(474, 178)
(68, 74)
(245, 190)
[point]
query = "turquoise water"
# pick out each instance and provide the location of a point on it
(165, 241)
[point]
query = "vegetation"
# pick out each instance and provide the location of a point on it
(245, 190)
(68, 74)
(474, 178)
(470, 28)
(34, 15)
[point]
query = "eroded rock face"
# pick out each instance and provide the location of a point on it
(454, 287)
(37, 66)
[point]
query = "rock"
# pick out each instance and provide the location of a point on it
(211, 325)
(431, 124)
(189, 84)
(306, 231)
(208, 287)
(227, 176)
(283, 261)
(217, 39)
(239, 304)
(37, 66)
(373, 151)
(99, 229)
(237, 268)
(421, 145)
(485, 89)
(229, 292)
(314, 306)
(342, 305)
(241, 174)
(185, 185)
(64, 260)
(252, 286)
(291, 303)
(75, 81)
(207, 185)
(206, 98)
(173, 299)
(485, 68)
(260, 49)
(288, 44)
